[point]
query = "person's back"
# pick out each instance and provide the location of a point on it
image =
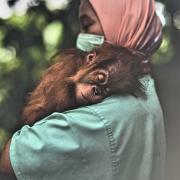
(121, 138)
(133, 143)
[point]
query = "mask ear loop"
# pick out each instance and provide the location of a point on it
(108, 42)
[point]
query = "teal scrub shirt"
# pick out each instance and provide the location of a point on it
(121, 138)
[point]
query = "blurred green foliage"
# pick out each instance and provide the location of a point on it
(166, 52)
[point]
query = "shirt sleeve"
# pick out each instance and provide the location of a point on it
(45, 150)
(58, 147)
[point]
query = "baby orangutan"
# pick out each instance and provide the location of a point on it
(79, 78)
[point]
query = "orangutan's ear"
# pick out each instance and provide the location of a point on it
(91, 57)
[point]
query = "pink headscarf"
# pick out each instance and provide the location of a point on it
(130, 23)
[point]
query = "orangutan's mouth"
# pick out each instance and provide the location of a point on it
(86, 100)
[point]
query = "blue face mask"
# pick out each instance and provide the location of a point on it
(88, 42)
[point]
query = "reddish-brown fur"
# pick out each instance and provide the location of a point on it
(119, 71)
